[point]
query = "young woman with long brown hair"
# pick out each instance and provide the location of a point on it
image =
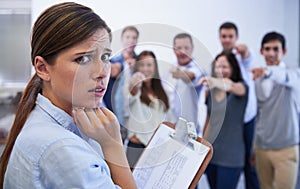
(148, 105)
(60, 138)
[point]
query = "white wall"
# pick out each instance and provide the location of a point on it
(201, 19)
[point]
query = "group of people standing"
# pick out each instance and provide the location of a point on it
(244, 103)
(63, 137)
(259, 118)
(146, 98)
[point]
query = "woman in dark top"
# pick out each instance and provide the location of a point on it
(226, 103)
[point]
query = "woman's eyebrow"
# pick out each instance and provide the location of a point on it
(86, 52)
(93, 51)
(107, 49)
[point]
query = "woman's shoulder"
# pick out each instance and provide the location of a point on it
(56, 153)
(43, 128)
(38, 136)
(50, 131)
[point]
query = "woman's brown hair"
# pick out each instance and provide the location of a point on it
(59, 27)
(236, 74)
(155, 82)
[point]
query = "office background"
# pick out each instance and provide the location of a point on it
(158, 22)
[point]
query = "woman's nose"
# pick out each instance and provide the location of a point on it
(101, 69)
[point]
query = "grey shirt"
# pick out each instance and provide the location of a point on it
(278, 106)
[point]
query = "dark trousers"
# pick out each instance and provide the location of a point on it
(220, 177)
(133, 153)
(249, 171)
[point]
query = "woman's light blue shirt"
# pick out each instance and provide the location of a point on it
(50, 152)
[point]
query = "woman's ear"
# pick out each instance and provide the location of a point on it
(42, 68)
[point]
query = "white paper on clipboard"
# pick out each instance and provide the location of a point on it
(167, 163)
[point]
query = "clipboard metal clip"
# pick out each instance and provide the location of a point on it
(184, 131)
(191, 130)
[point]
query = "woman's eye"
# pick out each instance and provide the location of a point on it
(83, 59)
(105, 57)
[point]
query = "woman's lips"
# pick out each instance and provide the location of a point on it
(98, 91)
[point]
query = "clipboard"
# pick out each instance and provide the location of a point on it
(158, 165)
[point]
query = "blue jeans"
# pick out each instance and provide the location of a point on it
(220, 177)
(249, 171)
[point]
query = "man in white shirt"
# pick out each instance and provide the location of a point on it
(228, 35)
(184, 94)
